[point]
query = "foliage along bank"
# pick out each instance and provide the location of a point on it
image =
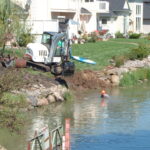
(135, 77)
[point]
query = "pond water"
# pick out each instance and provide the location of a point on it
(121, 122)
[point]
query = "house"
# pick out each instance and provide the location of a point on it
(91, 15)
(123, 16)
(146, 17)
(117, 16)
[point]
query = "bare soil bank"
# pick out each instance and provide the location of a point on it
(86, 79)
(13, 78)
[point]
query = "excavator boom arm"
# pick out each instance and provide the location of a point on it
(55, 39)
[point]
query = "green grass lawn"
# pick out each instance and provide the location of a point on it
(138, 41)
(101, 52)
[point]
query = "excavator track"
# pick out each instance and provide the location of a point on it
(38, 66)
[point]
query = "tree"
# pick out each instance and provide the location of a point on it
(5, 13)
(12, 21)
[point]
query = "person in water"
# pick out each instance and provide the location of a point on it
(104, 94)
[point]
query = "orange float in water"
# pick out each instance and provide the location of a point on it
(103, 92)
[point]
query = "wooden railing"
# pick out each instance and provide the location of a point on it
(51, 140)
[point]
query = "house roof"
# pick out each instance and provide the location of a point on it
(84, 11)
(107, 15)
(146, 9)
(115, 6)
(146, 1)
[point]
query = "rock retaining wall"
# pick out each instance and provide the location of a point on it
(39, 95)
(113, 75)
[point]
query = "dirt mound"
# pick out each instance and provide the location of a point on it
(30, 79)
(13, 78)
(85, 79)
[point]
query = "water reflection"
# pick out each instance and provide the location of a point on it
(119, 118)
(103, 102)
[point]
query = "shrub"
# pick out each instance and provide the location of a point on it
(68, 96)
(25, 38)
(119, 35)
(148, 37)
(134, 36)
(93, 37)
(127, 80)
(133, 78)
(85, 37)
(139, 53)
(119, 60)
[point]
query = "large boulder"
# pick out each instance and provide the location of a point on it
(51, 98)
(41, 102)
(120, 71)
(115, 79)
(112, 71)
(134, 64)
(58, 96)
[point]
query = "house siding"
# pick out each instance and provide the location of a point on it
(39, 11)
(146, 26)
(119, 24)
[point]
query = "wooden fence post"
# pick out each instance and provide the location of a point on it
(67, 134)
(29, 146)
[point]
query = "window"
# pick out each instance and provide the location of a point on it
(138, 17)
(89, 0)
(138, 23)
(138, 10)
(102, 6)
(60, 48)
(46, 39)
(104, 21)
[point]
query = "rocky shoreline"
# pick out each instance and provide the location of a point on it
(40, 90)
(40, 95)
(112, 75)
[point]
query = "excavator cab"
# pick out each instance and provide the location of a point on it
(47, 38)
(47, 41)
